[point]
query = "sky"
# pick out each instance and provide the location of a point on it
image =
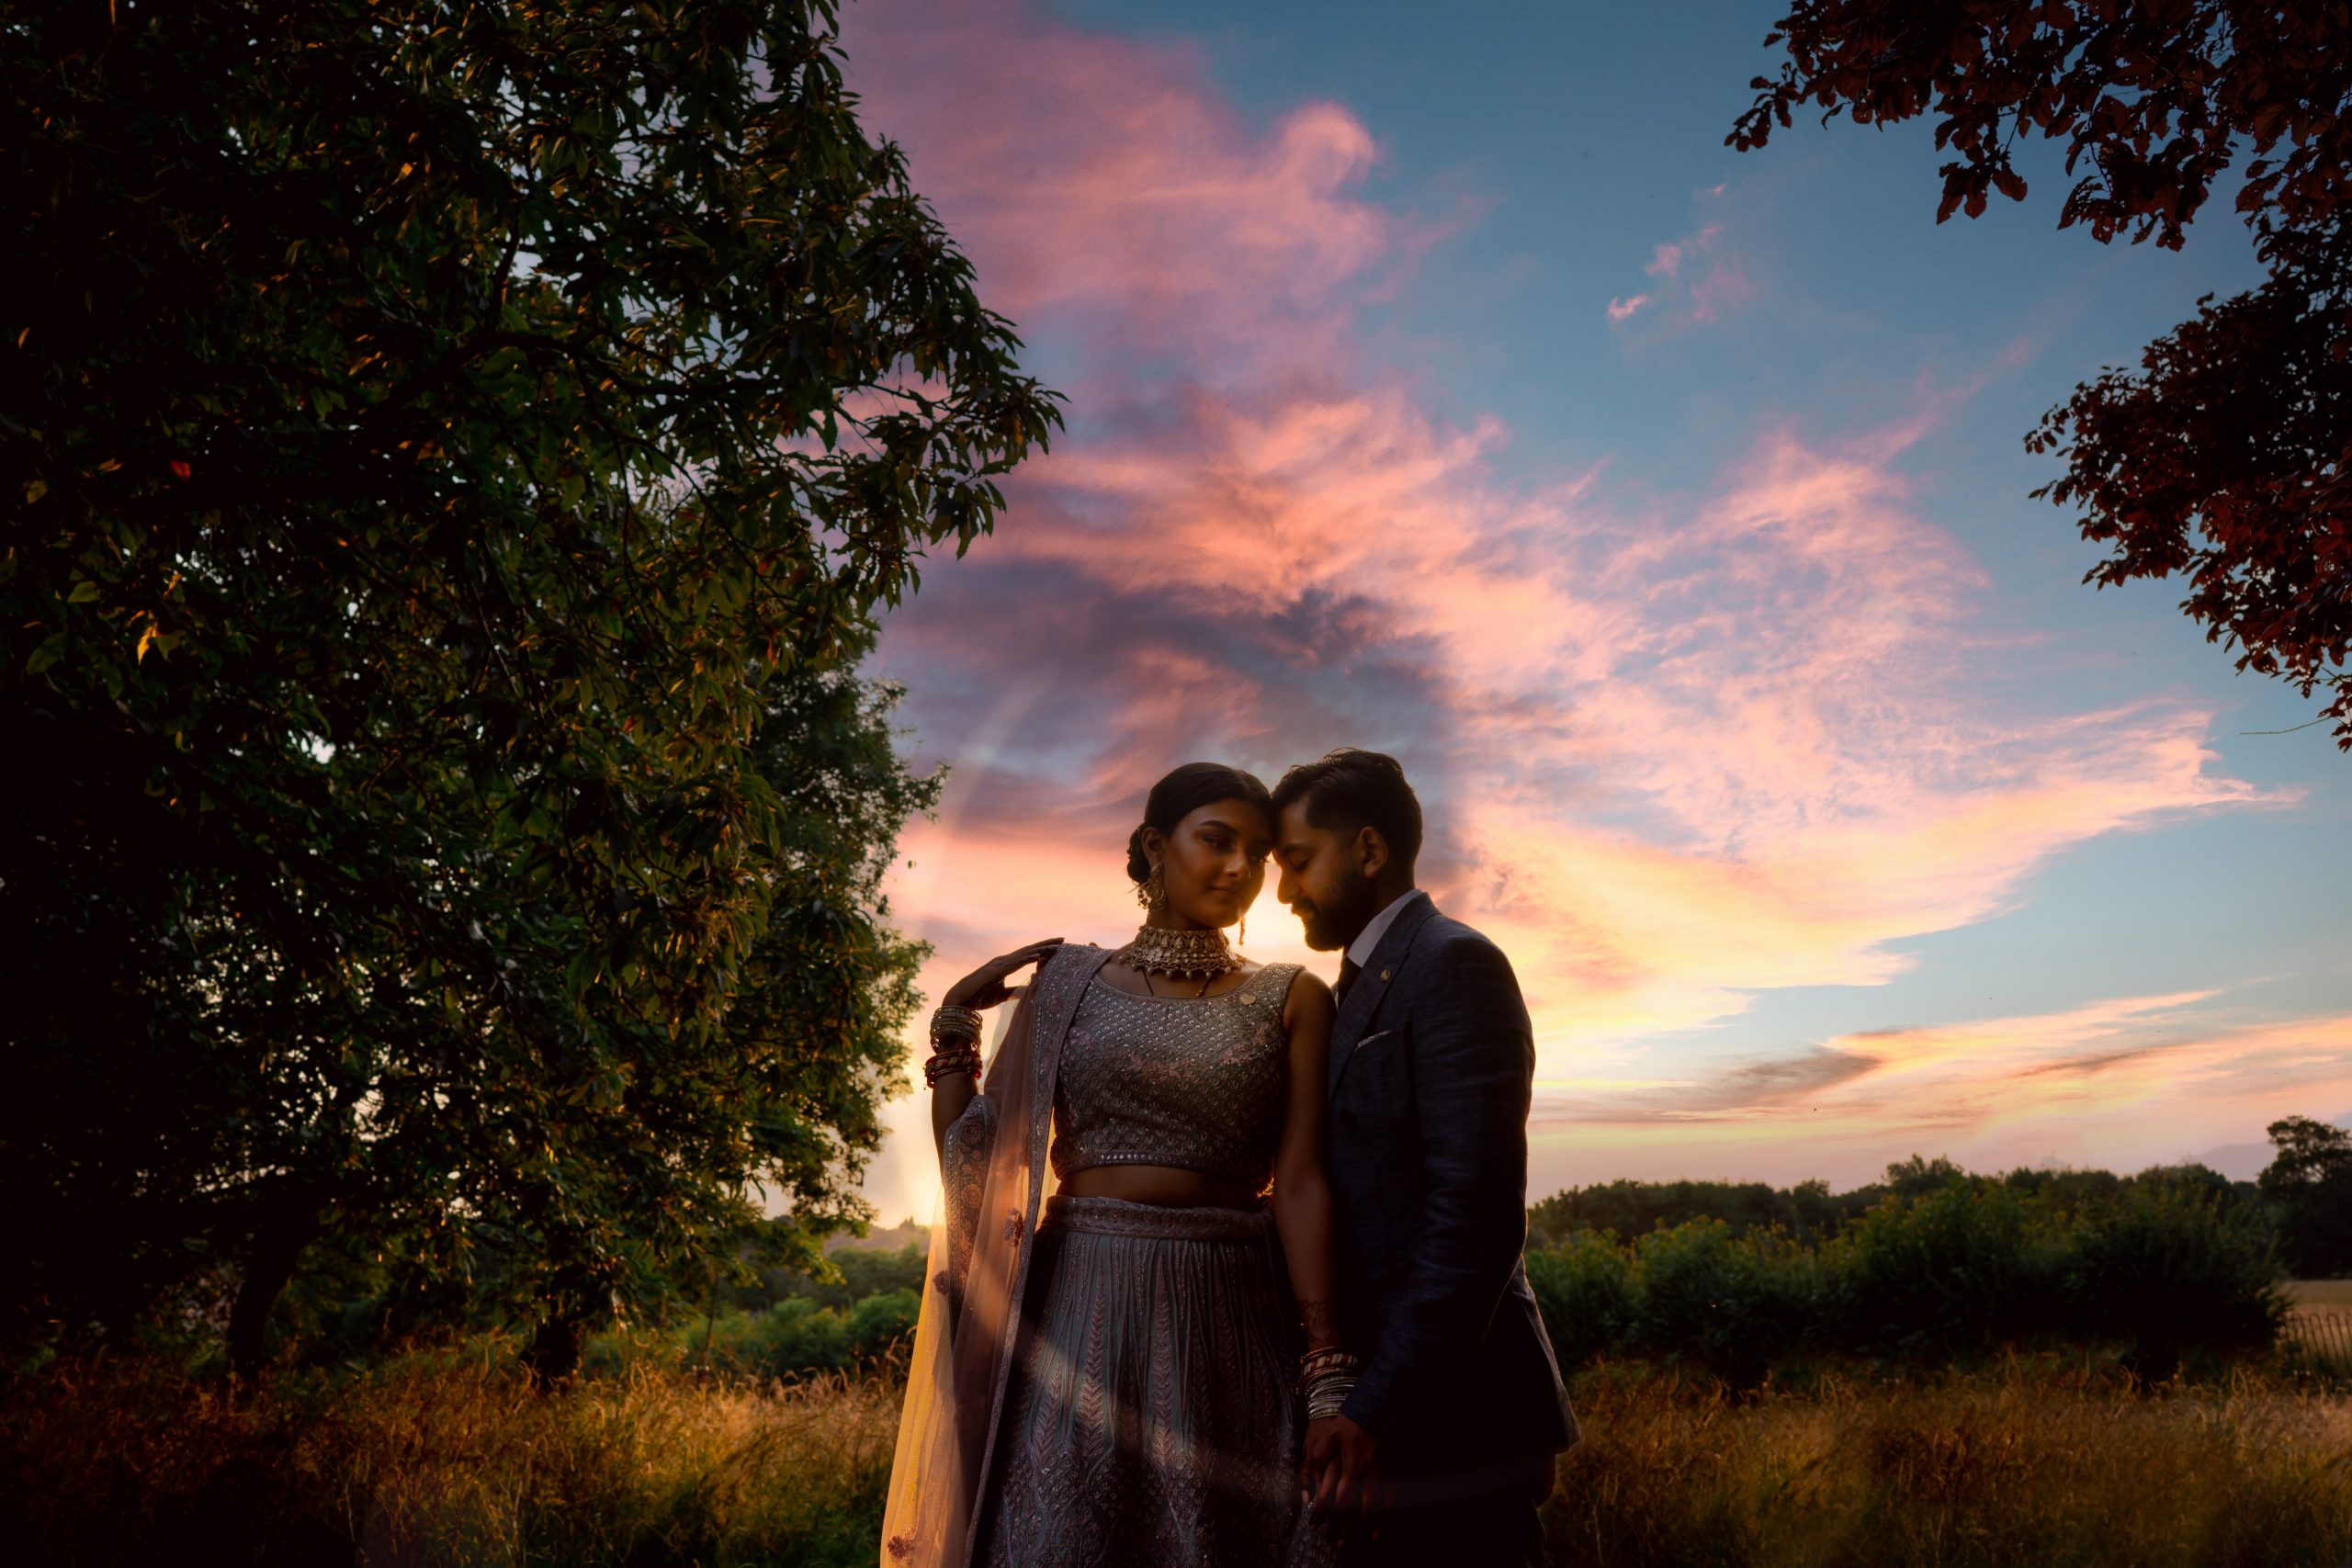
(1439, 382)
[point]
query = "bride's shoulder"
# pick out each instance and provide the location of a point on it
(1072, 953)
(1293, 982)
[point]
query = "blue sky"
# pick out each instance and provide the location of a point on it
(1334, 285)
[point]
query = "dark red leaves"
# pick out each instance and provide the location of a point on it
(2173, 86)
(2229, 458)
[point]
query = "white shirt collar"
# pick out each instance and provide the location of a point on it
(1359, 951)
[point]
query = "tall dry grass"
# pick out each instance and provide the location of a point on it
(454, 1460)
(2017, 1467)
(444, 1460)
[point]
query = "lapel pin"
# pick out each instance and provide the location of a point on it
(1384, 974)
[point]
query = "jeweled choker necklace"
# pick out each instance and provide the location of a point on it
(1179, 955)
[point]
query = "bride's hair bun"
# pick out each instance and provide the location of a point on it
(1184, 791)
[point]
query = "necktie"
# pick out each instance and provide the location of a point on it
(1349, 970)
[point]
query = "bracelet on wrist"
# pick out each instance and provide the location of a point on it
(1330, 1358)
(949, 1061)
(1327, 1395)
(952, 1021)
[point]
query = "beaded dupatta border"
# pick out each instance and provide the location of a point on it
(970, 1324)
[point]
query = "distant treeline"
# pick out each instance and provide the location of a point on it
(1933, 1266)
(1930, 1264)
(2304, 1197)
(1810, 1213)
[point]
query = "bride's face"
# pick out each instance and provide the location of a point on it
(1215, 862)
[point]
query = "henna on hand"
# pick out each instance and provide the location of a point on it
(1320, 1321)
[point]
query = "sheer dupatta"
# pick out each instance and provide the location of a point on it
(995, 1178)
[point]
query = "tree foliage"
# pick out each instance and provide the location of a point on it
(1632, 1208)
(450, 453)
(2308, 1184)
(2225, 458)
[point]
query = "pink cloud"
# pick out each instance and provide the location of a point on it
(1091, 176)
(1716, 286)
(1674, 755)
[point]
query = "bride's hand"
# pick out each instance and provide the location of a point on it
(985, 987)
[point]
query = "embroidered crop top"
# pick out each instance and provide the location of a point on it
(1194, 1082)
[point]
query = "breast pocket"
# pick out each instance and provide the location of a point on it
(1380, 1070)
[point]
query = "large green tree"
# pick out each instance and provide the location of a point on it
(2223, 459)
(451, 454)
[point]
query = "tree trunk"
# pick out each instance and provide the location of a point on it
(285, 1230)
(709, 1313)
(553, 1356)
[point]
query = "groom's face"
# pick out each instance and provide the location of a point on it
(1323, 879)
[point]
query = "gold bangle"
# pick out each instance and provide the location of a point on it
(951, 1022)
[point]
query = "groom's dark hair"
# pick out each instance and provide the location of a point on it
(1348, 789)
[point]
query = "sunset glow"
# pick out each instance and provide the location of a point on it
(1825, 816)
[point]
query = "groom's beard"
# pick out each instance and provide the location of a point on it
(1334, 921)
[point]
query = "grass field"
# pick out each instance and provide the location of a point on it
(2024, 1465)
(2320, 1295)
(453, 1460)
(444, 1460)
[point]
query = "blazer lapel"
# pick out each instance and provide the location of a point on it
(1364, 997)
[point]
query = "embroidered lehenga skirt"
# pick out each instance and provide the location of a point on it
(1150, 1420)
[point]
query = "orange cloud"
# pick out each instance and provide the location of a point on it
(2125, 1082)
(1674, 756)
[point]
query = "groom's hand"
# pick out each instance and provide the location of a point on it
(1343, 1460)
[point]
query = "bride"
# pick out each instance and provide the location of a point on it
(1133, 1282)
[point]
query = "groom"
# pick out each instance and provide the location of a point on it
(1446, 1446)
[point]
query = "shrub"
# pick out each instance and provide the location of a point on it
(2172, 1266)
(1967, 1267)
(794, 1337)
(1585, 1290)
(1732, 1304)
(880, 1328)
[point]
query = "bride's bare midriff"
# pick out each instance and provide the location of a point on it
(1167, 1184)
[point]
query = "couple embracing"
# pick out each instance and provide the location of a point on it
(1229, 1269)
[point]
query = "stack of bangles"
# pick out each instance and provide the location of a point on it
(1327, 1377)
(954, 1044)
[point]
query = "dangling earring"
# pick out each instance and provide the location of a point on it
(1153, 894)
